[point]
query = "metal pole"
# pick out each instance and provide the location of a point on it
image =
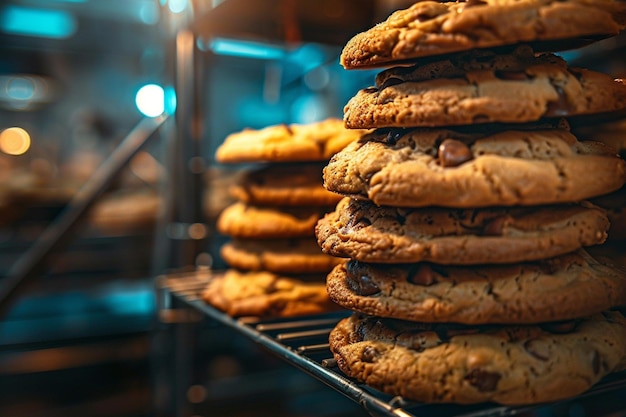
(59, 232)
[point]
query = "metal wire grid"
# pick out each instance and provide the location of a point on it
(303, 342)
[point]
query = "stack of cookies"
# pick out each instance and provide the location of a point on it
(465, 212)
(276, 267)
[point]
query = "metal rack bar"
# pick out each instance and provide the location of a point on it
(371, 403)
(297, 341)
(59, 232)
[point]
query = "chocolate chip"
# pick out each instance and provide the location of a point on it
(362, 331)
(390, 81)
(393, 136)
(422, 274)
(576, 72)
(370, 354)
(358, 283)
(453, 153)
(422, 17)
(496, 225)
(356, 224)
(560, 107)
(535, 348)
(511, 75)
(484, 381)
(370, 90)
(560, 326)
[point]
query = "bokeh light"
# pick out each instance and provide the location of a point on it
(14, 141)
(150, 100)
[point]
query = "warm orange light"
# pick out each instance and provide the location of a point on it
(14, 141)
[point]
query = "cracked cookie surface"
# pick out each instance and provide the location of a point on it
(286, 143)
(266, 294)
(467, 364)
(457, 168)
(484, 87)
(432, 28)
(363, 231)
(286, 256)
(561, 288)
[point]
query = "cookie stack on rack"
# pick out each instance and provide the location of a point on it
(465, 212)
(276, 267)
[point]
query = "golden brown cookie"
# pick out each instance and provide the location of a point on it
(561, 288)
(484, 87)
(298, 184)
(267, 295)
(471, 364)
(363, 231)
(474, 168)
(432, 28)
(242, 220)
(283, 256)
(286, 143)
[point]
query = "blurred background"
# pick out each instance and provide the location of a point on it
(76, 76)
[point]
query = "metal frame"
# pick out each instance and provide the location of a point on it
(303, 343)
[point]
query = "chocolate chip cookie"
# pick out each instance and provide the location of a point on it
(284, 256)
(473, 167)
(470, 364)
(432, 28)
(266, 294)
(298, 184)
(565, 287)
(360, 230)
(247, 221)
(286, 143)
(484, 89)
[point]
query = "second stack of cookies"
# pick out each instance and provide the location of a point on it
(276, 267)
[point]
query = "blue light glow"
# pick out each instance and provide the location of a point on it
(56, 24)
(170, 100)
(177, 6)
(20, 88)
(150, 100)
(246, 49)
(149, 13)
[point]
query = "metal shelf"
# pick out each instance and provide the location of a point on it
(303, 343)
